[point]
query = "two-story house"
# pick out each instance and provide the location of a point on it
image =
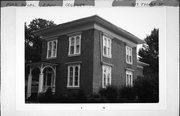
(88, 54)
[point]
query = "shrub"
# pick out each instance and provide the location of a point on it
(110, 94)
(68, 98)
(32, 98)
(81, 97)
(96, 98)
(78, 97)
(127, 95)
(147, 90)
(143, 91)
(46, 97)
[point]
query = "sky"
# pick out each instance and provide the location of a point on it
(138, 21)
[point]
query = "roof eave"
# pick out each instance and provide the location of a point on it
(139, 41)
(67, 24)
(118, 30)
(92, 19)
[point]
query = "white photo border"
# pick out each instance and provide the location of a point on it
(20, 80)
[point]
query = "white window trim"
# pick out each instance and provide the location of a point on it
(51, 49)
(69, 52)
(129, 51)
(110, 47)
(129, 73)
(73, 85)
(109, 71)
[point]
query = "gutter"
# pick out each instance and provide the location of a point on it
(100, 42)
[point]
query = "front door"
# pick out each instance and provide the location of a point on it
(48, 79)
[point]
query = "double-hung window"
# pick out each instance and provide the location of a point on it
(74, 45)
(106, 47)
(73, 76)
(129, 58)
(52, 49)
(129, 78)
(106, 76)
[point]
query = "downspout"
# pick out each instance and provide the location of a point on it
(100, 42)
(101, 59)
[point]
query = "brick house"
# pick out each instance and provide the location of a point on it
(88, 54)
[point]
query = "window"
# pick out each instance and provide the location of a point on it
(49, 79)
(129, 55)
(74, 45)
(106, 47)
(129, 78)
(73, 75)
(106, 76)
(51, 49)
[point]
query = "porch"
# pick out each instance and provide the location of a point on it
(42, 75)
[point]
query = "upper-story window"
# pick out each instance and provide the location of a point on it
(52, 49)
(73, 76)
(106, 76)
(129, 78)
(129, 59)
(74, 45)
(106, 47)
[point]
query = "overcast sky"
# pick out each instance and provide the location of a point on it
(138, 21)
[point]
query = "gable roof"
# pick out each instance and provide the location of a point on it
(96, 20)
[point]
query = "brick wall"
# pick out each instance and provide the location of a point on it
(63, 59)
(97, 67)
(91, 67)
(118, 62)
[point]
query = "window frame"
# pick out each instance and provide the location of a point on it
(75, 45)
(107, 43)
(73, 81)
(129, 54)
(52, 49)
(108, 72)
(46, 79)
(129, 75)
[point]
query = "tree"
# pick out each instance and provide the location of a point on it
(149, 53)
(32, 41)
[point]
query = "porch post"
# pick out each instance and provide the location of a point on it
(54, 81)
(41, 75)
(29, 84)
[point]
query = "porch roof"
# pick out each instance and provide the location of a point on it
(142, 63)
(41, 63)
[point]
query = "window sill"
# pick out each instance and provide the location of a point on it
(129, 69)
(73, 87)
(72, 55)
(107, 56)
(51, 58)
(129, 85)
(129, 63)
